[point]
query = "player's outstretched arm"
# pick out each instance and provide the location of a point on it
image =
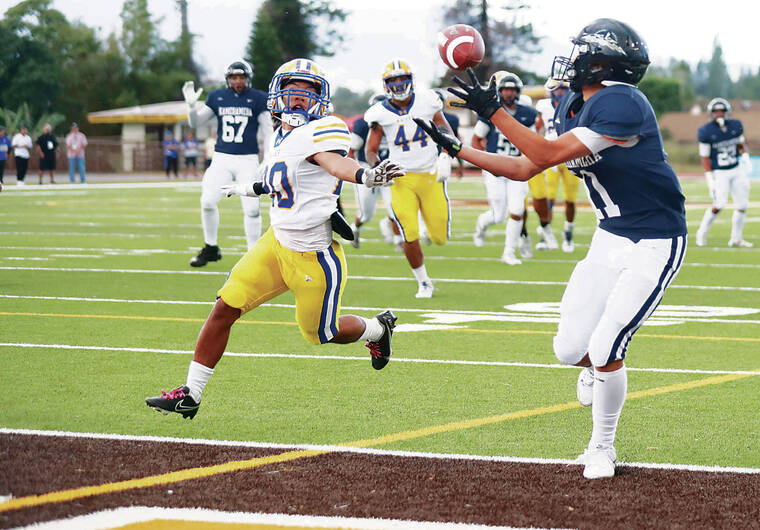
(349, 170)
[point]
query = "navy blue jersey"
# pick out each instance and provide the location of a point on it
(724, 143)
(635, 192)
(361, 129)
(238, 119)
(497, 142)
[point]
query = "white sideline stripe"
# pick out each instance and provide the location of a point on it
(119, 517)
(375, 278)
(101, 186)
(366, 450)
(364, 358)
(347, 308)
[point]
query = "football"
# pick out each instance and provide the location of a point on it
(461, 46)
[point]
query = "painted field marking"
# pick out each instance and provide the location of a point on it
(290, 323)
(288, 456)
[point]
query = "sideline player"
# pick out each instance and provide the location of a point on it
(366, 198)
(555, 174)
(243, 124)
(505, 197)
(726, 162)
(419, 190)
(303, 176)
(608, 134)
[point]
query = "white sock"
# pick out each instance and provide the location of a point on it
(707, 220)
(210, 222)
(569, 226)
(373, 330)
(737, 225)
(421, 273)
(252, 227)
(197, 377)
(485, 220)
(609, 396)
(512, 234)
(397, 239)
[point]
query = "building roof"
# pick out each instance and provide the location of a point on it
(167, 112)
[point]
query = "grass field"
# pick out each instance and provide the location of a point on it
(100, 309)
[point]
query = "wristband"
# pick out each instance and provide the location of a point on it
(359, 176)
(258, 188)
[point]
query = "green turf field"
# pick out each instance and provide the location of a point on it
(99, 309)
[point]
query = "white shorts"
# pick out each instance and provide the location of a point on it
(611, 293)
(226, 169)
(733, 180)
(502, 193)
(366, 201)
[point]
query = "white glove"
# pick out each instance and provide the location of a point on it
(444, 167)
(382, 174)
(190, 94)
(746, 163)
(244, 190)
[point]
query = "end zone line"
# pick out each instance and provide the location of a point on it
(238, 465)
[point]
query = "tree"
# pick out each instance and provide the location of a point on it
(287, 29)
(711, 79)
(664, 93)
(507, 41)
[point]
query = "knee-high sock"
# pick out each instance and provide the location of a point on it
(707, 220)
(485, 220)
(210, 222)
(512, 234)
(737, 225)
(252, 225)
(609, 396)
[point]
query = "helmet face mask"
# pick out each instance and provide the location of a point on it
(507, 81)
(719, 105)
(238, 68)
(604, 50)
(291, 100)
(398, 80)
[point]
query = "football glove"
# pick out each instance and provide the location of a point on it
(746, 163)
(190, 94)
(441, 135)
(382, 174)
(244, 190)
(483, 101)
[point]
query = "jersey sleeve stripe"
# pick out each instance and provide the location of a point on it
(327, 131)
(333, 124)
(345, 138)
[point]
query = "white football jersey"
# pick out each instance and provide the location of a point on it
(305, 194)
(408, 143)
(545, 107)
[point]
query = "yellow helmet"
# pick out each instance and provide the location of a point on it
(399, 89)
(279, 97)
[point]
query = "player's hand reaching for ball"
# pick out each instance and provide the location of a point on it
(484, 101)
(382, 174)
(442, 136)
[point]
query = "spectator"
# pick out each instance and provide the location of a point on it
(22, 143)
(5, 145)
(209, 147)
(75, 143)
(46, 147)
(190, 145)
(171, 154)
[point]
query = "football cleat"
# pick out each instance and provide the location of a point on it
(425, 289)
(178, 400)
(509, 258)
(355, 241)
(207, 253)
(599, 462)
(701, 238)
(548, 236)
(381, 350)
(568, 245)
(387, 230)
(479, 236)
(524, 247)
(740, 243)
(584, 388)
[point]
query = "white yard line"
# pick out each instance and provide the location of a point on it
(366, 451)
(396, 359)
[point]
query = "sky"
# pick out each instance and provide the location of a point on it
(377, 32)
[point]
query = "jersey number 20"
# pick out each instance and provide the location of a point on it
(233, 128)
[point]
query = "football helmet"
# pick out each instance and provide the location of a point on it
(279, 98)
(560, 89)
(239, 67)
(509, 80)
(604, 50)
(398, 80)
(719, 104)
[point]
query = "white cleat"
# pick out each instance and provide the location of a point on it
(584, 389)
(479, 237)
(701, 238)
(551, 241)
(568, 245)
(425, 289)
(599, 462)
(509, 258)
(386, 230)
(741, 244)
(525, 247)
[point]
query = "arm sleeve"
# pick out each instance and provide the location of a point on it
(704, 149)
(196, 117)
(264, 132)
(481, 129)
(357, 142)
(597, 142)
